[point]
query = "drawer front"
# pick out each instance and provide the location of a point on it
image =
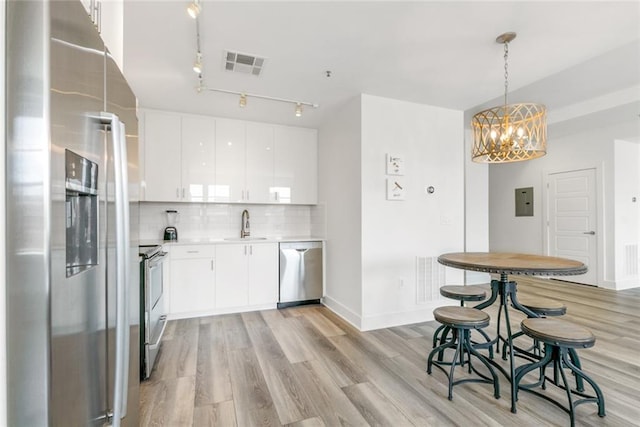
(193, 251)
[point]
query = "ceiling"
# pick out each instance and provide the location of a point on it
(437, 53)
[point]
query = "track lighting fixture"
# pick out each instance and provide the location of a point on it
(194, 9)
(197, 65)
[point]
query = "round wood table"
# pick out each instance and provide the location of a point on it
(505, 264)
(511, 263)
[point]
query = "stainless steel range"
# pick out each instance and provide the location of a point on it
(153, 318)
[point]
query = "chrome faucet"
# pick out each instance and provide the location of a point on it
(245, 231)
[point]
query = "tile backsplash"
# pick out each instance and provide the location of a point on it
(209, 220)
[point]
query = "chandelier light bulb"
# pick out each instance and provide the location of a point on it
(194, 9)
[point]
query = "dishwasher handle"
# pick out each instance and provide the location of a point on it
(301, 246)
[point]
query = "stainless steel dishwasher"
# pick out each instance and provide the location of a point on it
(300, 273)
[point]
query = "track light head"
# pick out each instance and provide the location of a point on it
(243, 100)
(194, 9)
(298, 109)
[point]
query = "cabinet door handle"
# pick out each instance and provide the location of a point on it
(177, 193)
(211, 265)
(245, 249)
(250, 249)
(193, 252)
(277, 196)
(242, 195)
(183, 192)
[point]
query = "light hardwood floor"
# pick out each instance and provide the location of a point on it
(307, 367)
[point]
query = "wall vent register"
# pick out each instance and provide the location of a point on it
(243, 63)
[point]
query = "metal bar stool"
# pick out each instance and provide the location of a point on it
(558, 337)
(462, 320)
(543, 307)
(462, 294)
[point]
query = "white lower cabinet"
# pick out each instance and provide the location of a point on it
(193, 278)
(246, 275)
(263, 274)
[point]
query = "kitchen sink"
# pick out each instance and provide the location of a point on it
(244, 239)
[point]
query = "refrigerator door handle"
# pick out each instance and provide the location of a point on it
(121, 380)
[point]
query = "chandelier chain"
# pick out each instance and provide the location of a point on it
(506, 71)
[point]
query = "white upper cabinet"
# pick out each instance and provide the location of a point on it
(204, 159)
(179, 157)
(296, 165)
(259, 163)
(108, 17)
(230, 160)
(198, 158)
(244, 162)
(160, 133)
(111, 29)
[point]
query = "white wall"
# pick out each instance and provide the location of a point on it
(394, 233)
(627, 213)
(585, 147)
(476, 196)
(373, 244)
(339, 196)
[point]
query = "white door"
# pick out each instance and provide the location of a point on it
(572, 222)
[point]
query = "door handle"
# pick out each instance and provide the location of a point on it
(590, 232)
(121, 182)
(155, 345)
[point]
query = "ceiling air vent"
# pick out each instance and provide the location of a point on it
(243, 63)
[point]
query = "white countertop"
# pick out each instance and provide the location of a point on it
(231, 240)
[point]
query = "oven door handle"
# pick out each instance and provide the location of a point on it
(153, 262)
(156, 344)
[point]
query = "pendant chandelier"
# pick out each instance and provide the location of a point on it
(509, 133)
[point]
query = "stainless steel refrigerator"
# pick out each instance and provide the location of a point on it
(72, 282)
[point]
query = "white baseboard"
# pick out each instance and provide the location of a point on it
(389, 320)
(620, 285)
(344, 312)
(385, 320)
(218, 311)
